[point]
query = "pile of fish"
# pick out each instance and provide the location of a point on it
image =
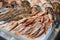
(29, 18)
(32, 26)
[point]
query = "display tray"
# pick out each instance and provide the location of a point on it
(10, 36)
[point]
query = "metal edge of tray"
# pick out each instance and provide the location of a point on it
(54, 26)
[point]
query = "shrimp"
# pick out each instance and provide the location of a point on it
(26, 29)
